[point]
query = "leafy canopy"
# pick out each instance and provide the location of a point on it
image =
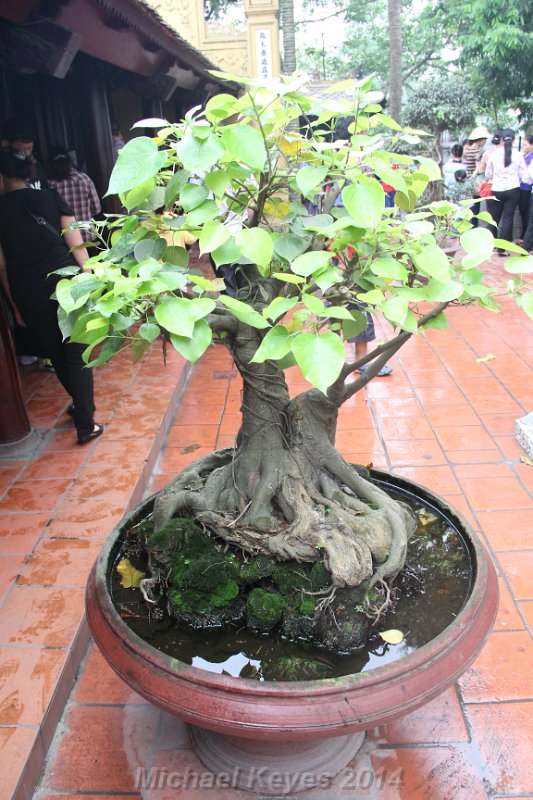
(223, 174)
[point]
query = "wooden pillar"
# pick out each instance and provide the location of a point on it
(14, 422)
(152, 107)
(94, 110)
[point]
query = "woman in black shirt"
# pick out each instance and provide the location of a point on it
(31, 247)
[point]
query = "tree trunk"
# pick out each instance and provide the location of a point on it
(286, 10)
(394, 8)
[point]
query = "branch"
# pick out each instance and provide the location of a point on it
(221, 321)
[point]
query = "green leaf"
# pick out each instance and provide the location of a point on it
(288, 278)
(327, 277)
(419, 227)
(479, 243)
(149, 248)
(433, 262)
(443, 291)
(204, 213)
(310, 178)
(136, 196)
(228, 253)
(510, 246)
(288, 246)
(193, 195)
(525, 301)
(317, 222)
(192, 348)
(278, 307)
(337, 312)
(320, 357)
(244, 312)
(353, 327)
(439, 323)
(374, 297)
(149, 331)
(198, 155)
(138, 161)
(314, 304)
(308, 263)
(139, 346)
(175, 315)
(397, 311)
(516, 265)
(220, 107)
(214, 234)
(109, 348)
(175, 185)
(177, 256)
(365, 202)
(389, 268)
(255, 244)
(63, 295)
(245, 144)
(275, 345)
(201, 306)
(218, 182)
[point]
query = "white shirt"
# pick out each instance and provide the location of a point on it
(505, 178)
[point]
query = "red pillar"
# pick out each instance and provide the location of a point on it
(14, 422)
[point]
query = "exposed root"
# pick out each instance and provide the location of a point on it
(326, 602)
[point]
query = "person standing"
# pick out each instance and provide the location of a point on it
(20, 136)
(31, 248)
(454, 164)
(525, 188)
(75, 187)
(506, 169)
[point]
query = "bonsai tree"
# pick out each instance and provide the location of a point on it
(226, 174)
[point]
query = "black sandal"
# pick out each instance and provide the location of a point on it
(70, 410)
(98, 431)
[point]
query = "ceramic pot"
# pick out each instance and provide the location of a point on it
(302, 730)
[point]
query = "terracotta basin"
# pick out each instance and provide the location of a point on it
(254, 728)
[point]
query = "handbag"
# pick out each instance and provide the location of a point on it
(485, 189)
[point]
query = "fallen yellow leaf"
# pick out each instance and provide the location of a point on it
(130, 576)
(488, 357)
(392, 637)
(426, 517)
(527, 460)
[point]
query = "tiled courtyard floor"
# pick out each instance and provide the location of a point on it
(443, 418)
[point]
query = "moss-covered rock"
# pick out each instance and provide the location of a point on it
(264, 610)
(293, 668)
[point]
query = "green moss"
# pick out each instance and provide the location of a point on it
(290, 576)
(259, 567)
(171, 535)
(307, 607)
(265, 609)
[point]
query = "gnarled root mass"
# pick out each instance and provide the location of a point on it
(285, 491)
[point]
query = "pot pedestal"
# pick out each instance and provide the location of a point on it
(275, 768)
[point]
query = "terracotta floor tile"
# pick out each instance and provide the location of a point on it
(225, 440)
(507, 530)
(121, 452)
(28, 678)
(100, 684)
(78, 518)
(62, 440)
(439, 479)
(403, 407)
(106, 482)
(386, 388)
(174, 459)
(443, 415)
(518, 567)
(460, 504)
(497, 470)
(41, 616)
(508, 618)
(473, 437)
(34, 495)
(438, 722)
(357, 441)
(230, 424)
(186, 763)
(485, 494)
(206, 414)
(501, 424)
(19, 532)
(44, 411)
(60, 562)
(442, 394)
(510, 447)
(8, 475)
(406, 428)
(125, 427)
(157, 483)
(15, 747)
(526, 609)
(86, 761)
(501, 403)
(412, 453)
(376, 457)
(10, 566)
(56, 465)
(473, 456)
(354, 418)
(504, 736)
(525, 474)
(427, 773)
(502, 671)
(188, 435)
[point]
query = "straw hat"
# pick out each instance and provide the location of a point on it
(479, 133)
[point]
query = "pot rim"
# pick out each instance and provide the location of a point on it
(422, 658)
